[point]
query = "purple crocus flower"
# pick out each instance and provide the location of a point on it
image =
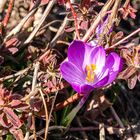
(88, 68)
(100, 28)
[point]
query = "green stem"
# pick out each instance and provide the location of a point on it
(74, 111)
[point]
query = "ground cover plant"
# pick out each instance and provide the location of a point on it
(69, 69)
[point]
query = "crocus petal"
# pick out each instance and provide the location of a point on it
(98, 57)
(76, 52)
(71, 73)
(101, 27)
(82, 89)
(114, 64)
(93, 43)
(102, 78)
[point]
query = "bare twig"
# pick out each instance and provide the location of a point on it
(60, 31)
(100, 16)
(45, 14)
(29, 120)
(102, 131)
(34, 81)
(46, 113)
(75, 19)
(70, 100)
(7, 16)
(20, 25)
(125, 38)
(33, 123)
(15, 75)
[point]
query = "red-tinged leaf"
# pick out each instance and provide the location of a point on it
(13, 50)
(36, 104)
(84, 25)
(44, 1)
(69, 29)
(4, 93)
(4, 121)
(116, 37)
(127, 73)
(138, 76)
(85, 3)
(21, 107)
(18, 134)
(11, 42)
(16, 97)
(132, 81)
(1, 102)
(61, 2)
(15, 103)
(12, 117)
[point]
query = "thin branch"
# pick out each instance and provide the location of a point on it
(34, 81)
(102, 131)
(15, 75)
(100, 16)
(124, 39)
(75, 19)
(68, 101)
(20, 25)
(46, 114)
(45, 14)
(60, 31)
(9, 11)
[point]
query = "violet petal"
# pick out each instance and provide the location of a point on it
(82, 89)
(114, 64)
(71, 73)
(98, 57)
(102, 78)
(76, 52)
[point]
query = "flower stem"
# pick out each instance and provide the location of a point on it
(75, 110)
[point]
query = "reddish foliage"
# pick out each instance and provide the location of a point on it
(128, 10)
(8, 104)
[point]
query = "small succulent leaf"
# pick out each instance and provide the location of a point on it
(61, 2)
(21, 107)
(127, 73)
(18, 134)
(116, 37)
(4, 121)
(44, 1)
(138, 76)
(1, 102)
(85, 3)
(36, 104)
(15, 103)
(12, 117)
(132, 81)
(16, 97)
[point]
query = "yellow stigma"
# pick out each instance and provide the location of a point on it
(93, 67)
(90, 72)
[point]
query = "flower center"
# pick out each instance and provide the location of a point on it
(90, 72)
